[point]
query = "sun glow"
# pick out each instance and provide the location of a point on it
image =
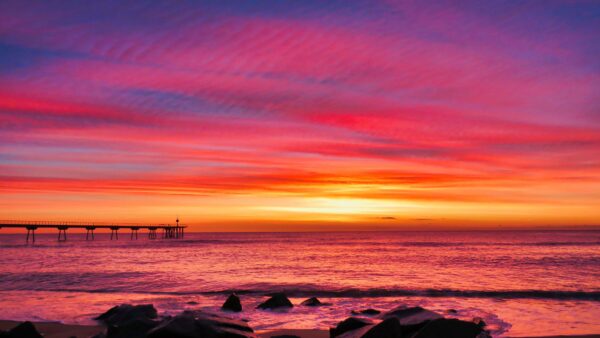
(342, 207)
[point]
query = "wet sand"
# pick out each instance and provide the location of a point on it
(325, 334)
(58, 330)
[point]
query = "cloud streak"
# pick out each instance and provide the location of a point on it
(431, 106)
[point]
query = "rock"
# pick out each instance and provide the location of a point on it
(449, 328)
(368, 312)
(24, 330)
(412, 315)
(192, 303)
(410, 330)
(240, 325)
(479, 321)
(232, 304)
(313, 301)
(175, 327)
(278, 300)
(286, 336)
(452, 311)
(348, 324)
(126, 312)
(131, 328)
(195, 324)
(388, 328)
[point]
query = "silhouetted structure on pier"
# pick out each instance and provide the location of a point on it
(168, 231)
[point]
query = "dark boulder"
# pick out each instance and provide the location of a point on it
(24, 330)
(411, 315)
(313, 301)
(126, 312)
(232, 304)
(220, 321)
(388, 328)
(410, 330)
(348, 324)
(449, 328)
(131, 328)
(175, 327)
(479, 321)
(277, 300)
(195, 324)
(367, 312)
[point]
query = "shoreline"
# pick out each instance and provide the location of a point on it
(60, 330)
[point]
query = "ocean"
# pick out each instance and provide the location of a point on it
(520, 282)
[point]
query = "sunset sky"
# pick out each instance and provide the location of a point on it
(301, 115)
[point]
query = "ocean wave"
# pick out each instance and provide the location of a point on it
(424, 244)
(380, 292)
(16, 241)
(352, 293)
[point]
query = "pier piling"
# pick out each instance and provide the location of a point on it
(62, 233)
(114, 231)
(134, 231)
(88, 231)
(30, 230)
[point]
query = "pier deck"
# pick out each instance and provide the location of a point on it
(168, 231)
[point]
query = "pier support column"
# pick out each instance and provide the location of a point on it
(114, 231)
(30, 230)
(151, 233)
(62, 233)
(89, 231)
(134, 231)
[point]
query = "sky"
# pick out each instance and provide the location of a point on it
(301, 115)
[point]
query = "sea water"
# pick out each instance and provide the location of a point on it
(520, 282)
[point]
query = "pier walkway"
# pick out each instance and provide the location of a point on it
(168, 231)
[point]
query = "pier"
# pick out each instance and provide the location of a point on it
(168, 231)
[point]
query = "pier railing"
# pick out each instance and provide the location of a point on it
(79, 224)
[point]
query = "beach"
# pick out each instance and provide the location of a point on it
(59, 330)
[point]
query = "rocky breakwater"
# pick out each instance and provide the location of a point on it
(408, 322)
(141, 321)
